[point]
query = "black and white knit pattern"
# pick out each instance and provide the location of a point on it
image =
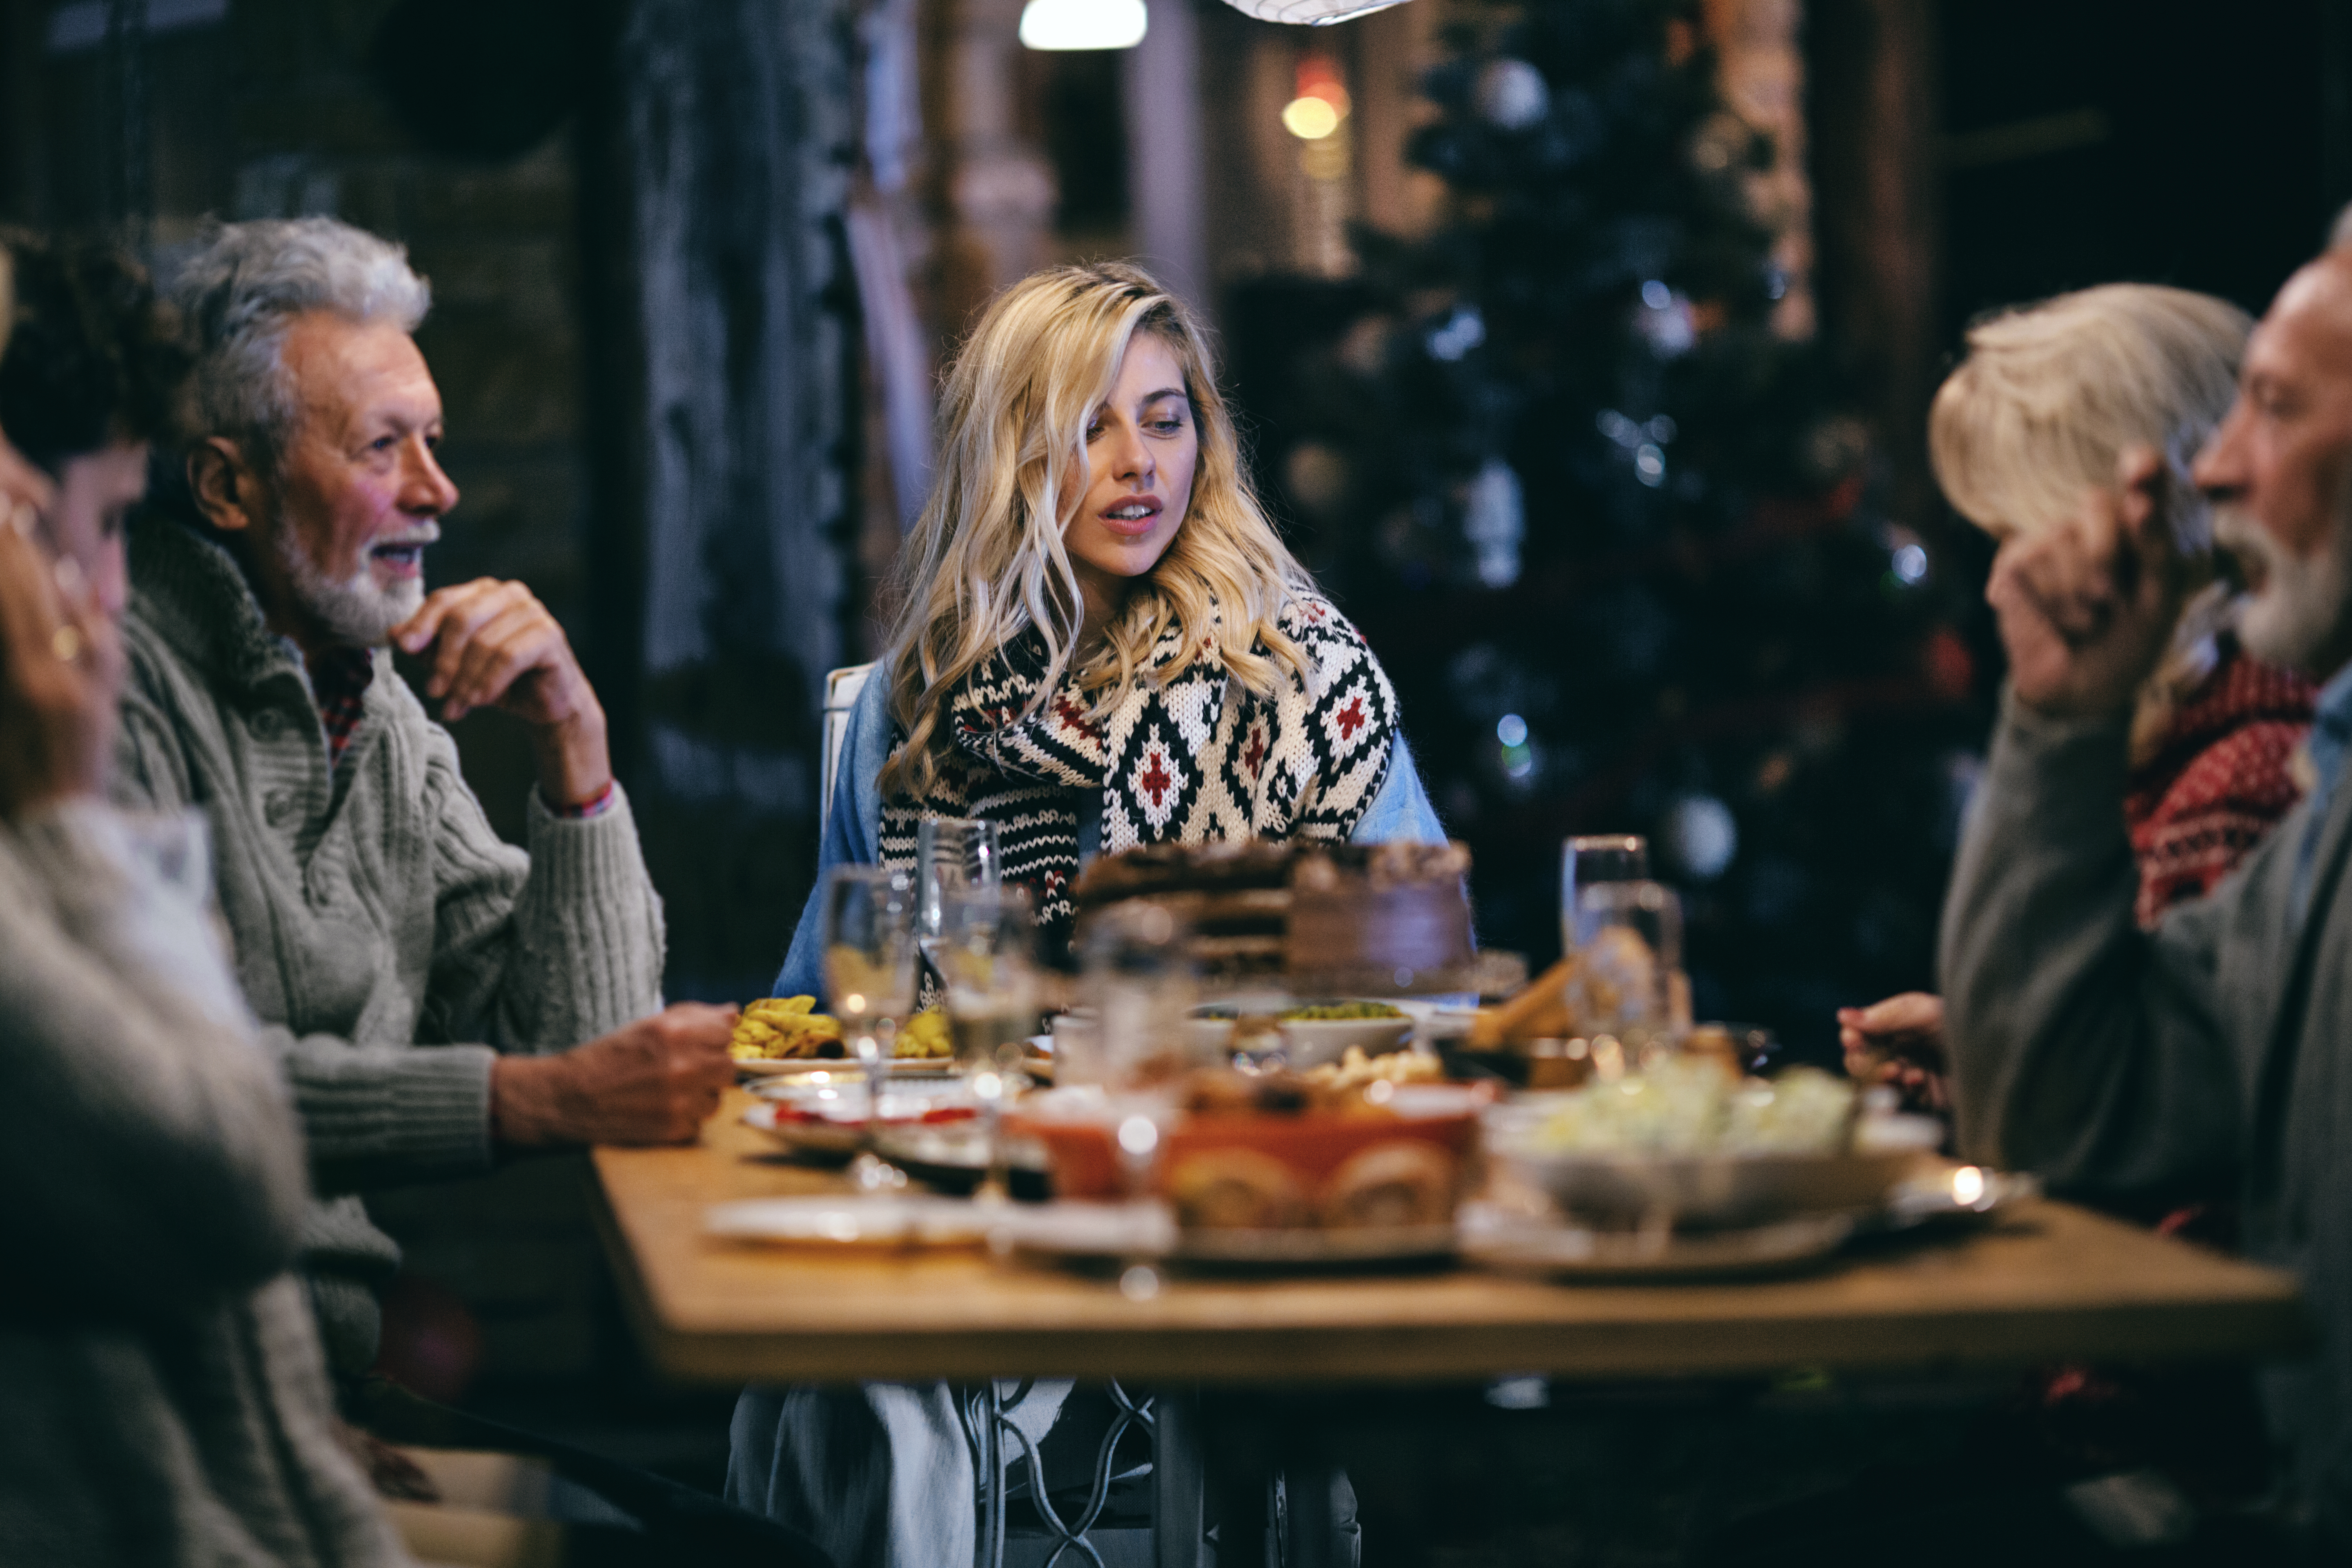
(1192, 759)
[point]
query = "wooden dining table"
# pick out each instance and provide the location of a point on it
(2045, 1282)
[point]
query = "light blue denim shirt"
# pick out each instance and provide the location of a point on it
(2331, 735)
(1401, 811)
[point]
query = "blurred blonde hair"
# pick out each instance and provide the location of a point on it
(986, 561)
(2051, 395)
(2049, 399)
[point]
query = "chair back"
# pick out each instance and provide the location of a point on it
(841, 689)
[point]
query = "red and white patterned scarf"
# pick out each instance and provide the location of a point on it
(1192, 759)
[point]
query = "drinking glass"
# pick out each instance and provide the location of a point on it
(1589, 860)
(1140, 981)
(986, 955)
(1628, 987)
(869, 960)
(951, 853)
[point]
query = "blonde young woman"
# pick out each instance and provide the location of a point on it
(1100, 642)
(2049, 399)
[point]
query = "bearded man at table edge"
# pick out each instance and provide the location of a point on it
(2216, 1048)
(422, 983)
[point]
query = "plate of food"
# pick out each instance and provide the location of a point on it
(1277, 1169)
(1688, 1146)
(786, 1036)
(1309, 1034)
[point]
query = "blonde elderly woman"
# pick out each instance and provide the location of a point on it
(1100, 642)
(2043, 408)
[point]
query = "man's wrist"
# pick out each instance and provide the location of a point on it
(575, 764)
(524, 1100)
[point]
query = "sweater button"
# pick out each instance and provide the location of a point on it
(269, 724)
(277, 805)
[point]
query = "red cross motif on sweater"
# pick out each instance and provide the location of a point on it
(1156, 781)
(1351, 719)
(1253, 754)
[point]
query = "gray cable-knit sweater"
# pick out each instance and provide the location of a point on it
(162, 1399)
(387, 939)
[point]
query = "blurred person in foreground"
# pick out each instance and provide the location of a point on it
(1100, 642)
(2047, 401)
(2136, 1066)
(421, 981)
(162, 1394)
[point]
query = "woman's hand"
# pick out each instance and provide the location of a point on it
(1899, 1041)
(60, 670)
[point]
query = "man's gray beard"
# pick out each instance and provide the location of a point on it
(356, 611)
(2304, 606)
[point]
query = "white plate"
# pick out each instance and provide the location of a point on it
(849, 1222)
(1496, 1240)
(836, 1122)
(1101, 1232)
(841, 1068)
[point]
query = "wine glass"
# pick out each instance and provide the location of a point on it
(869, 960)
(1588, 861)
(986, 955)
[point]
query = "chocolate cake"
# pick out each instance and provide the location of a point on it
(1327, 918)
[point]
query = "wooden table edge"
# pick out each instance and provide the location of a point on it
(2269, 1323)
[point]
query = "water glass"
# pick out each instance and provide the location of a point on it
(869, 960)
(951, 853)
(1628, 986)
(1589, 860)
(1139, 979)
(986, 955)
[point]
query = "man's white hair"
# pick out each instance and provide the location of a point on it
(242, 289)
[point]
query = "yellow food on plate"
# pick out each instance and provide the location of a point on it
(1354, 1069)
(785, 1029)
(924, 1034)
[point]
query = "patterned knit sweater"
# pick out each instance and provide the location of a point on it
(2217, 781)
(387, 939)
(162, 1399)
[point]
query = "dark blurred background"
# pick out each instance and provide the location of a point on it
(696, 263)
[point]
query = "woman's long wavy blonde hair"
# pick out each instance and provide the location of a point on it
(986, 561)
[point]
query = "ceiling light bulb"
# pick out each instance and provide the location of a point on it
(1082, 23)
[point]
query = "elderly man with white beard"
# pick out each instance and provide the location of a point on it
(2214, 1052)
(426, 987)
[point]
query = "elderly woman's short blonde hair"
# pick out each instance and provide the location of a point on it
(2051, 395)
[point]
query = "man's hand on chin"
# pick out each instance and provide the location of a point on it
(2086, 608)
(496, 645)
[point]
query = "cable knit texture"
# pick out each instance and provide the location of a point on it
(388, 939)
(162, 1399)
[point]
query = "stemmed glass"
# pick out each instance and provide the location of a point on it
(869, 961)
(986, 956)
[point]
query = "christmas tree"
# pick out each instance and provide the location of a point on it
(1618, 545)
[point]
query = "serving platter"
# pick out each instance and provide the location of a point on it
(1512, 1244)
(1087, 1233)
(892, 1221)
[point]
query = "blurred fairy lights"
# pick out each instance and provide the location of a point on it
(1322, 103)
(1083, 23)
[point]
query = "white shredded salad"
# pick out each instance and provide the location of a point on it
(1692, 1106)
